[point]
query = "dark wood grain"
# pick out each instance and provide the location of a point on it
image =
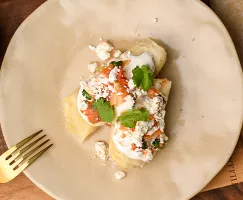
(231, 14)
(12, 14)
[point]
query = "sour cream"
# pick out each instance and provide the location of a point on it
(144, 59)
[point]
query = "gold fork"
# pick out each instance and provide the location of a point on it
(14, 161)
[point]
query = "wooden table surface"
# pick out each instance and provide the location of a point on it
(14, 12)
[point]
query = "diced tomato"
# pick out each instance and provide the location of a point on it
(119, 88)
(151, 117)
(120, 74)
(93, 115)
(123, 135)
(106, 71)
(121, 79)
(125, 62)
(123, 128)
(113, 100)
(153, 136)
(133, 129)
(116, 99)
(164, 81)
(133, 147)
(155, 123)
(123, 82)
(152, 92)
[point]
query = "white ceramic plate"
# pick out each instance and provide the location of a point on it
(48, 55)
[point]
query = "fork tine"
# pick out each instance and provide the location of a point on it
(18, 154)
(35, 157)
(31, 160)
(20, 144)
(22, 159)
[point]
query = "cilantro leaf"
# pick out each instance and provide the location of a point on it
(130, 117)
(143, 77)
(145, 145)
(137, 76)
(86, 95)
(116, 63)
(105, 110)
(156, 143)
(148, 78)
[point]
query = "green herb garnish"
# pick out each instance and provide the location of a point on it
(116, 63)
(142, 77)
(156, 143)
(145, 145)
(100, 68)
(105, 110)
(130, 117)
(86, 95)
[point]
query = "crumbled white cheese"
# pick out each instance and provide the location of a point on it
(81, 98)
(149, 155)
(131, 84)
(101, 92)
(111, 88)
(82, 84)
(119, 175)
(117, 53)
(101, 150)
(150, 132)
(153, 105)
(143, 126)
(92, 47)
(102, 50)
(97, 85)
(163, 138)
(104, 46)
(83, 105)
(104, 80)
(136, 136)
(128, 104)
(113, 74)
(103, 55)
(126, 55)
(160, 115)
(139, 93)
(92, 67)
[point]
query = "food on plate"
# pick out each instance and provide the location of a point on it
(158, 52)
(120, 174)
(122, 92)
(74, 122)
(139, 132)
(101, 149)
(101, 84)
